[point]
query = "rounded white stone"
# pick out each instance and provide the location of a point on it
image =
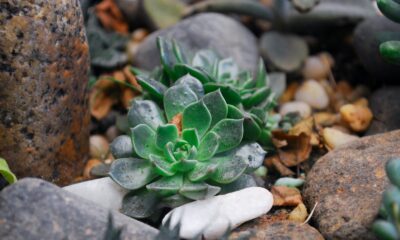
(296, 106)
(313, 93)
(103, 191)
(213, 216)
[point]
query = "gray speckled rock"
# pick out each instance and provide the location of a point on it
(34, 209)
(44, 64)
(208, 30)
(348, 184)
(385, 105)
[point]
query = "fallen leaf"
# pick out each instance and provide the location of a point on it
(274, 162)
(111, 17)
(127, 96)
(100, 103)
(306, 126)
(299, 214)
(289, 93)
(286, 196)
(130, 78)
(296, 151)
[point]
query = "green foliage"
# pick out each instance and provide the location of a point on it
(185, 161)
(6, 172)
(207, 73)
(390, 50)
(389, 227)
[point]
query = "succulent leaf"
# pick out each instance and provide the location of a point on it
(166, 133)
(121, 147)
(230, 132)
(132, 173)
(183, 69)
(234, 112)
(167, 186)
(145, 112)
(202, 171)
(190, 135)
(176, 99)
(155, 88)
(231, 95)
(140, 204)
(217, 106)
(198, 191)
(385, 230)
(144, 140)
(205, 59)
(194, 84)
(162, 167)
(197, 116)
(208, 146)
(393, 171)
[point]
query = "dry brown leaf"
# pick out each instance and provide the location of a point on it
(89, 165)
(111, 17)
(177, 120)
(299, 214)
(100, 103)
(358, 118)
(289, 93)
(298, 148)
(306, 126)
(130, 78)
(127, 96)
(286, 196)
(274, 161)
(325, 119)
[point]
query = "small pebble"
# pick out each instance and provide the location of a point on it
(312, 93)
(318, 67)
(301, 107)
(213, 216)
(334, 138)
(357, 117)
(99, 147)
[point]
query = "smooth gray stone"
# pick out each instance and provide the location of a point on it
(35, 209)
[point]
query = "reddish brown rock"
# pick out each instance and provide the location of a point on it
(43, 77)
(348, 184)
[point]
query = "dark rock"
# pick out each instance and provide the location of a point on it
(367, 38)
(43, 77)
(348, 183)
(204, 31)
(386, 109)
(266, 227)
(34, 209)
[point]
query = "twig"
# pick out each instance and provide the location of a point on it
(311, 213)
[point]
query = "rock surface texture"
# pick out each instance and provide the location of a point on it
(212, 31)
(35, 209)
(43, 77)
(385, 105)
(348, 183)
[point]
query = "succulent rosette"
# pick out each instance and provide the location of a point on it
(187, 152)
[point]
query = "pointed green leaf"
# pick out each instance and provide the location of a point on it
(231, 95)
(167, 186)
(145, 112)
(196, 116)
(234, 112)
(121, 147)
(252, 130)
(132, 173)
(144, 139)
(390, 8)
(198, 191)
(208, 146)
(195, 85)
(6, 172)
(205, 59)
(176, 99)
(183, 69)
(166, 133)
(169, 152)
(179, 55)
(217, 106)
(229, 167)
(202, 171)
(190, 135)
(162, 167)
(140, 204)
(230, 132)
(155, 88)
(257, 97)
(262, 77)
(184, 165)
(166, 56)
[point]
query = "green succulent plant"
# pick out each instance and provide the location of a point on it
(390, 50)
(166, 164)
(388, 228)
(250, 99)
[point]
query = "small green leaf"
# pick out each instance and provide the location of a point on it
(391, 197)
(190, 135)
(176, 99)
(393, 171)
(144, 139)
(202, 171)
(390, 51)
(183, 69)
(257, 97)
(231, 95)
(234, 112)
(6, 172)
(196, 116)
(230, 132)
(121, 147)
(166, 56)
(194, 84)
(385, 230)
(265, 138)
(140, 204)
(208, 146)
(262, 78)
(132, 173)
(155, 88)
(217, 106)
(390, 8)
(197, 191)
(205, 59)
(169, 152)
(184, 165)
(167, 186)
(166, 133)
(145, 112)
(179, 55)
(162, 167)
(252, 130)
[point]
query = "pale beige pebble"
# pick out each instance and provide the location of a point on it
(318, 67)
(357, 117)
(314, 94)
(334, 138)
(99, 147)
(301, 107)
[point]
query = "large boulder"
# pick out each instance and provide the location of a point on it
(204, 31)
(386, 109)
(43, 83)
(33, 209)
(348, 183)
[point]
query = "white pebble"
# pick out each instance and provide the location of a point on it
(301, 107)
(213, 216)
(313, 93)
(103, 191)
(334, 138)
